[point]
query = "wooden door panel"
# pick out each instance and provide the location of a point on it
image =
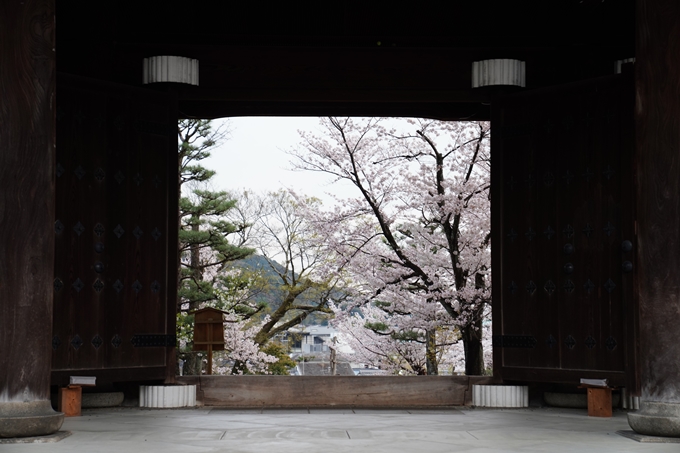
(114, 300)
(562, 205)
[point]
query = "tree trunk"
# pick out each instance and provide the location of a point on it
(431, 353)
(195, 263)
(239, 368)
(193, 363)
(179, 228)
(472, 335)
(474, 353)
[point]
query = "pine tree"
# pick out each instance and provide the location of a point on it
(205, 236)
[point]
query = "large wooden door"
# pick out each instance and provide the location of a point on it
(564, 303)
(116, 234)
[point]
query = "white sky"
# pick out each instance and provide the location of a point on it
(253, 157)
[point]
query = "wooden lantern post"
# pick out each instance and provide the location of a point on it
(208, 332)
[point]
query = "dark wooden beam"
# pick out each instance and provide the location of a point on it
(291, 58)
(433, 82)
(571, 377)
(106, 376)
(442, 111)
(338, 95)
(481, 23)
(228, 67)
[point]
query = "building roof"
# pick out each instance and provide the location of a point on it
(314, 330)
(324, 369)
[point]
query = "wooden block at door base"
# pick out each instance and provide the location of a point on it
(70, 400)
(599, 402)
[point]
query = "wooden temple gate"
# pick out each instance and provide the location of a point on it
(115, 272)
(585, 177)
(564, 234)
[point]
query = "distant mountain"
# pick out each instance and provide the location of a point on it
(256, 262)
(274, 294)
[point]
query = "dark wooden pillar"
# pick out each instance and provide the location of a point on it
(657, 117)
(27, 107)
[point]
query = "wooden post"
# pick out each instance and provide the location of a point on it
(27, 172)
(657, 129)
(333, 361)
(208, 332)
(658, 155)
(210, 339)
(209, 370)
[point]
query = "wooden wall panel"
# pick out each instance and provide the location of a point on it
(114, 228)
(562, 191)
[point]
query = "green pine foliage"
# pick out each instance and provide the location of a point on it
(207, 241)
(218, 270)
(284, 363)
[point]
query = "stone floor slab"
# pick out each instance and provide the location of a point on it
(630, 434)
(208, 430)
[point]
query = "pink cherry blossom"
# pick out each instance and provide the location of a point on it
(413, 246)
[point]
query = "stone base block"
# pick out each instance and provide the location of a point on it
(167, 396)
(35, 418)
(108, 399)
(49, 439)
(656, 419)
(500, 395)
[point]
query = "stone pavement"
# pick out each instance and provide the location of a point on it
(341, 430)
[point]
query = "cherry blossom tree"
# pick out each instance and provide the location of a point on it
(266, 301)
(455, 355)
(379, 340)
(240, 348)
(283, 239)
(415, 240)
